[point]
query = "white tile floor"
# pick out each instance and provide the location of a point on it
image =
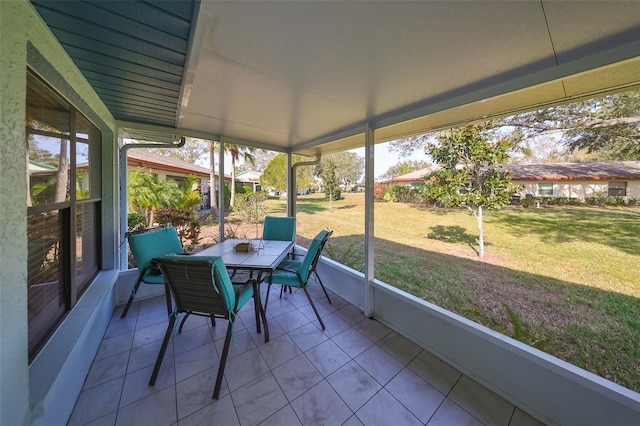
(357, 372)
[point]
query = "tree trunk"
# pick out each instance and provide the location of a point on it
(62, 177)
(232, 199)
(480, 233)
(213, 199)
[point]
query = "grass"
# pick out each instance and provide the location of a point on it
(564, 280)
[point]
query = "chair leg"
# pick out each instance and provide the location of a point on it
(322, 285)
(133, 293)
(223, 361)
(163, 349)
(182, 322)
(304, 287)
(167, 293)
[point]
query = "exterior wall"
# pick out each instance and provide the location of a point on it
(14, 379)
(577, 189)
(47, 389)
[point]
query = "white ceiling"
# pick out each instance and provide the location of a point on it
(306, 76)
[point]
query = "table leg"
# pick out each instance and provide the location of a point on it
(259, 309)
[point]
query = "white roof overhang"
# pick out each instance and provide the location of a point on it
(307, 76)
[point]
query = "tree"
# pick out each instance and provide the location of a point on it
(603, 128)
(147, 193)
(261, 159)
(275, 175)
(189, 196)
(237, 151)
(348, 167)
(608, 126)
(404, 167)
(213, 200)
(470, 172)
(329, 180)
(192, 151)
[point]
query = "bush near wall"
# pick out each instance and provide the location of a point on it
(402, 194)
(598, 201)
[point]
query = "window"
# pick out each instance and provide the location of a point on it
(63, 208)
(545, 189)
(617, 189)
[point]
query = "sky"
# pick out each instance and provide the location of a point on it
(383, 158)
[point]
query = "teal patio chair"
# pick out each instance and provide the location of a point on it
(297, 274)
(200, 285)
(297, 264)
(280, 228)
(145, 247)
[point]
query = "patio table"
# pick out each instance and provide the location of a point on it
(261, 259)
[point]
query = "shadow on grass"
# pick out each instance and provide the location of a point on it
(348, 206)
(595, 329)
(454, 234)
(612, 227)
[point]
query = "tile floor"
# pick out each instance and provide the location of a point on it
(357, 372)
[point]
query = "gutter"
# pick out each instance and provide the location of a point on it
(291, 195)
(123, 189)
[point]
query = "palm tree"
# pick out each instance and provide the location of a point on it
(147, 193)
(236, 152)
(213, 200)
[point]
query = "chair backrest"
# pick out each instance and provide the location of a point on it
(325, 238)
(199, 284)
(280, 228)
(152, 244)
(313, 254)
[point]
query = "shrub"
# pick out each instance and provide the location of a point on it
(402, 194)
(136, 222)
(378, 191)
(251, 207)
(185, 222)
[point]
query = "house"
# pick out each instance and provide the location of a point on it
(80, 78)
(578, 180)
(249, 178)
(560, 180)
(173, 168)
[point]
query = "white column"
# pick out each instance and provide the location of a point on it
(221, 205)
(369, 252)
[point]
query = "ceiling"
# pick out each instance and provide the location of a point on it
(308, 76)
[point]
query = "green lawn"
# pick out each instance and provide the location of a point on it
(565, 279)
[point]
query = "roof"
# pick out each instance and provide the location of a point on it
(145, 158)
(612, 170)
(415, 176)
(248, 176)
(312, 76)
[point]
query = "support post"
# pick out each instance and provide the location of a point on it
(221, 205)
(369, 252)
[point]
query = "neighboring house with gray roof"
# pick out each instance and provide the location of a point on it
(578, 180)
(171, 168)
(561, 180)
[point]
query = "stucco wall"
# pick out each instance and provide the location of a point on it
(14, 389)
(25, 39)
(577, 189)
